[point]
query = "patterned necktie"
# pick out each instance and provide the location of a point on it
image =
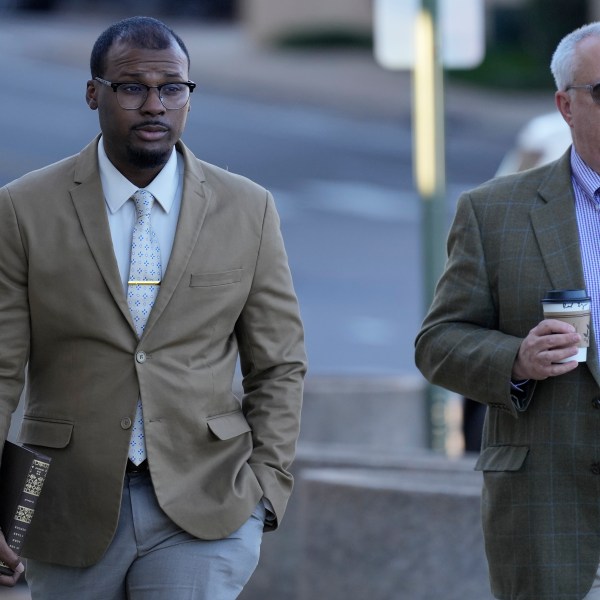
(144, 280)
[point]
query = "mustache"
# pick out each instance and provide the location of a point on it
(153, 124)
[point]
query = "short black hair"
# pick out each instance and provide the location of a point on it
(140, 32)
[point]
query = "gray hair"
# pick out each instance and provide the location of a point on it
(563, 59)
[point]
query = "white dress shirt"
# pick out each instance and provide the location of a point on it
(166, 187)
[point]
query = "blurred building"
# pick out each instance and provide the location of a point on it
(270, 20)
(275, 20)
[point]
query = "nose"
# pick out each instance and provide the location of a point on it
(153, 102)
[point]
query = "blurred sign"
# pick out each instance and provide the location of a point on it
(461, 31)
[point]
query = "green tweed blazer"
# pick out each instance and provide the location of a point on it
(513, 239)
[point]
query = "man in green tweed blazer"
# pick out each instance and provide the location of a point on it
(513, 239)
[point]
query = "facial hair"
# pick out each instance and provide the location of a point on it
(147, 159)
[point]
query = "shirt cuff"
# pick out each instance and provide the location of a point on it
(519, 393)
(519, 386)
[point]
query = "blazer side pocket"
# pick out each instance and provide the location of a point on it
(210, 279)
(502, 458)
(228, 425)
(43, 432)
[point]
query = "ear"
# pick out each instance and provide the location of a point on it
(564, 105)
(91, 95)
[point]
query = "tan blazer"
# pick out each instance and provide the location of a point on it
(227, 288)
(513, 239)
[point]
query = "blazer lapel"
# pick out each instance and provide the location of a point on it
(555, 226)
(197, 197)
(88, 199)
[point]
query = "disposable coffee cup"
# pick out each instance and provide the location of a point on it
(573, 307)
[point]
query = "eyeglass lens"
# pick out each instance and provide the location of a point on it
(172, 95)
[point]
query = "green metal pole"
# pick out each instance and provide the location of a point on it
(430, 171)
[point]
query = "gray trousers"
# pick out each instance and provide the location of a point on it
(150, 558)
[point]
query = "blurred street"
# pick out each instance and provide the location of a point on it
(327, 131)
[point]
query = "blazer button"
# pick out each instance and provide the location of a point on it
(140, 357)
(595, 468)
(596, 402)
(125, 423)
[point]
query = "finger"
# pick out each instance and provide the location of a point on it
(10, 560)
(549, 326)
(556, 369)
(11, 580)
(557, 355)
(557, 341)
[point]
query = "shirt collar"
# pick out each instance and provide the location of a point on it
(587, 179)
(118, 189)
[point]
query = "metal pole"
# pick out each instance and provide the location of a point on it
(430, 174)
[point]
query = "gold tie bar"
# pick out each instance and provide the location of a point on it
(148, 282)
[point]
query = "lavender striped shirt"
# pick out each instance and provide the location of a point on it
(586, 185)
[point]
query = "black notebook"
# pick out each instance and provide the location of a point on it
(22, 475)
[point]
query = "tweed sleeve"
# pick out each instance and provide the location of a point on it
(460, 346)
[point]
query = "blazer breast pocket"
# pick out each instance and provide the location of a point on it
(213, 279)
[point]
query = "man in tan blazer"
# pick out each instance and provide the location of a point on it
(186, 521)
(514, 239)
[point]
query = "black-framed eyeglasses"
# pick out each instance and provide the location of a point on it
(131, 95)
(593, 89)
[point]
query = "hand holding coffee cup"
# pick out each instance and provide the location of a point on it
(573, 307)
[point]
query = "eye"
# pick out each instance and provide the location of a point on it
(172, 89)
(133, 89)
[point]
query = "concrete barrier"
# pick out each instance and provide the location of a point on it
(376, 414)
(382, 526)
(390, 536)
